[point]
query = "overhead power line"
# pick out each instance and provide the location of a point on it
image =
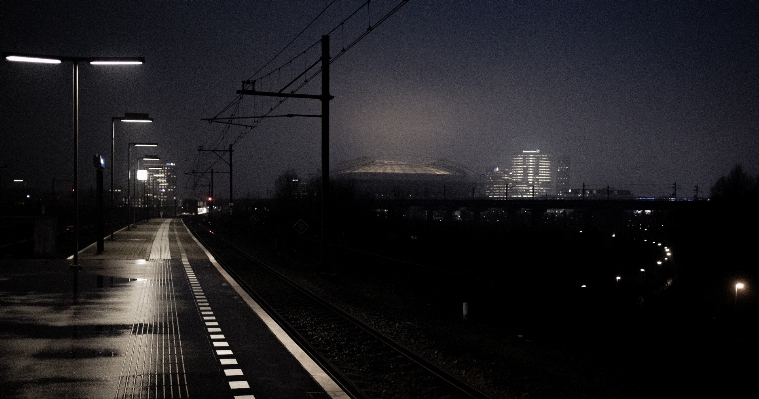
(232, 118)
(294, 39)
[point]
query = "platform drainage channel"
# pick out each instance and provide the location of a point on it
(154, 362)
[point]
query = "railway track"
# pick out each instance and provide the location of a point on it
(362, 360)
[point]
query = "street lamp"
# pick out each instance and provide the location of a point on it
(129, 176)
(22, 181)
(738, 286)
(128, 117)
(46, 59)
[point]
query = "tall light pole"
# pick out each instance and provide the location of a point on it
(128, 117)
(738, 286)
(46, 59)
(130, 217)
(325, 98)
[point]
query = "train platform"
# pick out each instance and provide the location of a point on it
(152, 316)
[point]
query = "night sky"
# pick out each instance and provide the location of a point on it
(639, 95)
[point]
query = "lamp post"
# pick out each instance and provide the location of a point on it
(129, 178)
(128, 117)
(738, 286)
(45, 59)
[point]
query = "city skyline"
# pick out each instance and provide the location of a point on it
(487, 181)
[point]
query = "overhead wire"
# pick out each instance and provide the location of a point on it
(239, 98)
(294, 39)
(369, 29)
(340, 25)
(235, 104)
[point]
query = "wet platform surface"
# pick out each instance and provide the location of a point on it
(153, 316)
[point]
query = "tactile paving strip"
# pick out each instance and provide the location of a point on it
(154, 363)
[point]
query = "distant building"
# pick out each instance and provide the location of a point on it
(562, 176)
(166, 186)
(532, 175)
(396, 179)
(159, 191)
(496, 184)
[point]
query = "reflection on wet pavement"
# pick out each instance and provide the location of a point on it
(64, 330)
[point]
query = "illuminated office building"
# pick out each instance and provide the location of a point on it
(159, 190)
(497, 183)
(562, 177)
(532, 175)
(166, 187)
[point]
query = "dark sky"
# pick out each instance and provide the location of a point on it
(639, 95)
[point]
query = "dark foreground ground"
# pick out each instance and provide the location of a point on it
(532, 330)
(517, 343)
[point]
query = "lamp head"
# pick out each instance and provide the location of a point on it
(33, 59)
(54, 59)
(136, 117)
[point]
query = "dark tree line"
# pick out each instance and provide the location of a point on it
(736, 186)
(289, 186)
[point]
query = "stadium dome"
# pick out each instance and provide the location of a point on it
(397, 179)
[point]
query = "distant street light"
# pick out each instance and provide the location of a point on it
(128, 117)
(738, 286)
(44, 59)
(129, 177)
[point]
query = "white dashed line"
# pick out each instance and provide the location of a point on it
(212, 326)
(238, 384)
(319, 375)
